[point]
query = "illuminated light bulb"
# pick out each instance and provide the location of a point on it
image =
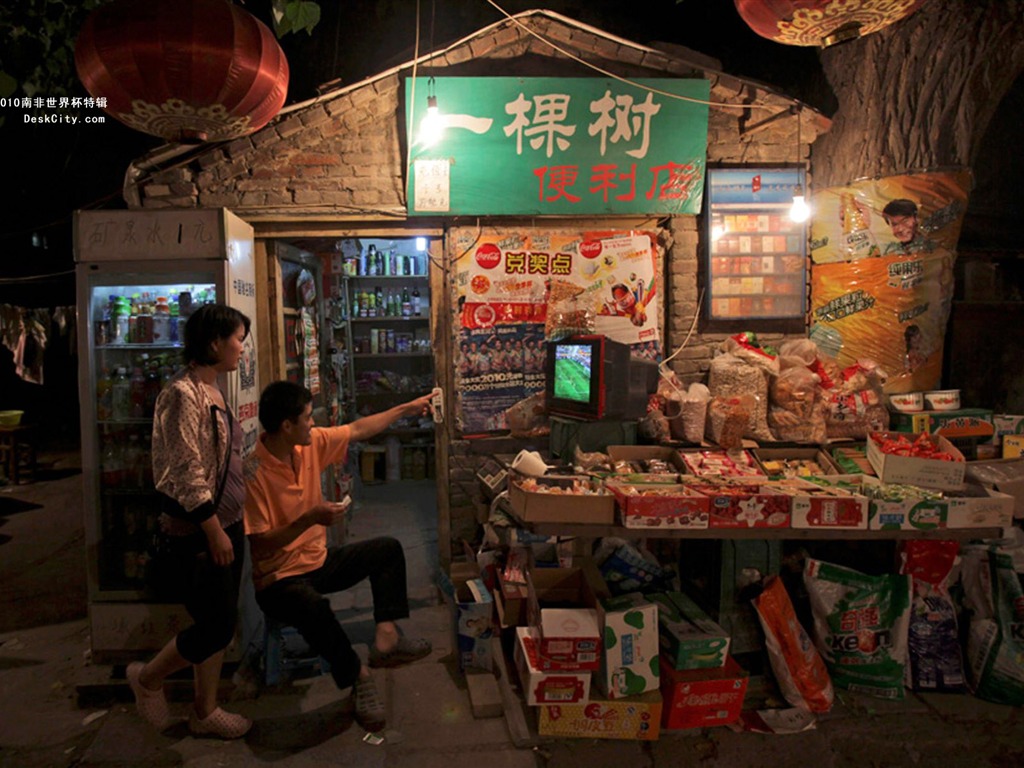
(432, 126)
(421, 244)
(716, 232)
(799, 211)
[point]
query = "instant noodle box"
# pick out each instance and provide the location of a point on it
(546, 687)
(699, 698)
(636, 718)
(972, 506)
(654, 505)
(687, 636)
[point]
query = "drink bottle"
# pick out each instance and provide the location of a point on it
(121, 396)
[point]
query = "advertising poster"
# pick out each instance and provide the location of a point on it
(882, 281)
(894, 215)
(892, 310)
(511, 289)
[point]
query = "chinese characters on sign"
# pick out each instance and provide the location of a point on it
(549, 145)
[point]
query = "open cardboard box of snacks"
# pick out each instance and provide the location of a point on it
(655, 505)
(645, 459)
(721, 463)
(560, 499)
(913, 470)
(911, 508)
(741, 502)
(820, 507)
(795, 462)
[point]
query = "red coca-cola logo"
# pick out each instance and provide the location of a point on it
(488, 255)
(591, 249)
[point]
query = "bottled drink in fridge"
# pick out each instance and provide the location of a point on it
(161, 321)
(103, 396)
(416, 301)
(137, 389)
(121, 396)
(111, 465)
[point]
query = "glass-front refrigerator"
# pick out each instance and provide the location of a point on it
(140, 276)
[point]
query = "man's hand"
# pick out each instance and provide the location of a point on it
(418, 407)
(219, 544)
(328, 513)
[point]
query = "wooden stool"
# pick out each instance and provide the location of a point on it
(18, 452)
(277, 660)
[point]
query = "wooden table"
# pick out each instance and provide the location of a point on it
(18, 451)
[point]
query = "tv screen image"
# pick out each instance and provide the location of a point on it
(592, 377)
(573, 372)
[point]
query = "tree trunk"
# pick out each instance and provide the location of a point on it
(920, 93)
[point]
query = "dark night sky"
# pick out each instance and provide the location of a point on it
(59, 168)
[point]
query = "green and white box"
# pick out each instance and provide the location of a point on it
(629, 664)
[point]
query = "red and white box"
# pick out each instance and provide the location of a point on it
(738, 504)
(546, 687)
(568, 638)
(699, 698)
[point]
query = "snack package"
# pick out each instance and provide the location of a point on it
(728, 419)
(936, 663)
(734, 376)
(528, 417)
(798, 667)
(687, 413)
(860, 626)
(995, 645)
(854, 402)
(795, 410)
(564, 315)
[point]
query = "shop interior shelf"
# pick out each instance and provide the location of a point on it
(370, 355)
(598, 531)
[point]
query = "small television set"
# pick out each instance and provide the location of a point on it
(593, 378)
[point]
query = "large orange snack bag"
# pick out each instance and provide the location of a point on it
(801, 673)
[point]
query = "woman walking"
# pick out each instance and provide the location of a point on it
(197, 465)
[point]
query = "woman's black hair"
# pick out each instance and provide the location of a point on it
(210, 323)
(282, 401)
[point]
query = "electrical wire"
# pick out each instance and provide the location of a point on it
(625, 80)
(663, 365)
(27, 278)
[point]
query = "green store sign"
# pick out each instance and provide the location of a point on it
(557, 146)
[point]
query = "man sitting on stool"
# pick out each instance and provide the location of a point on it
(286, 520)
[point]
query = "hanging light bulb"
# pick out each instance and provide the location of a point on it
(799, 211)
(432, 127)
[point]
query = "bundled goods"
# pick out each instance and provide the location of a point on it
(788, 468)
(799, 669)
(922, 447)
(577, 487)
(731, 376)
(687, 413)
(528, 417)
(936, 663)
(853, 398)
(564, 317)
(796, 409)
(860, 626)
(995, 643)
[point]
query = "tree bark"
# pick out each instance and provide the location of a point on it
(920, 93)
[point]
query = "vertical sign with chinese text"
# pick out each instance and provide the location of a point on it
(562, 146)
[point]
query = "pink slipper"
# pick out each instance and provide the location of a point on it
(224, 725)
(152, 705)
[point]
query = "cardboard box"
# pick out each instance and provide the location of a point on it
(629, 628)
(644, 453)
(668, 506)
(568, 638)
(699, 698)
(852, 458)
(822, 507)
(636, 718)
(511, 602)
(546, 687)
(909, 421)
(1006, 424)
(1003, 475)
(927, 473)
(769, 457)
(1013, 446)
(719, 463)
(687, 636)
(538, 507)
(972, 506)
(737, 503)
(472, 615)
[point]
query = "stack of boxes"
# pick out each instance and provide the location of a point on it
(600, 666)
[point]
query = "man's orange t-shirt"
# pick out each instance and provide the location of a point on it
(277, 494)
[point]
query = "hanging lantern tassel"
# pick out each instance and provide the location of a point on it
(185, 70)
(821, 22)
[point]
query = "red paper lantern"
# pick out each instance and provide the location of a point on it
(821, 22)
(184, 70)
